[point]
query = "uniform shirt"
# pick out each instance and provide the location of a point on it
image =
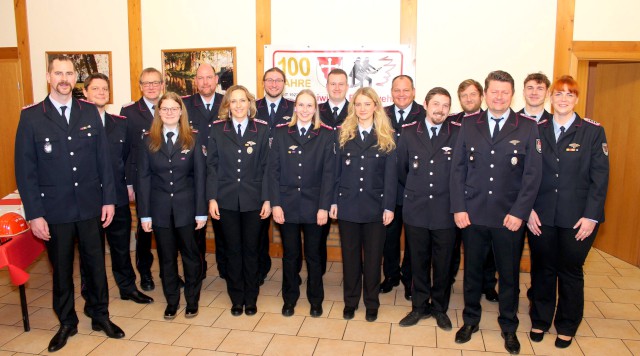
(150, 105)
(405, 112)
(567, 125)
(243, 126)
(429, 126)
(492, 122)
(67, 113)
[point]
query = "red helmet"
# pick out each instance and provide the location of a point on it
(12, 224)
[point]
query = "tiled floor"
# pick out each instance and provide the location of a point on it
(611, 323)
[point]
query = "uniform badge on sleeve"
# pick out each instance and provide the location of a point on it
(538, 145)
(605, 149)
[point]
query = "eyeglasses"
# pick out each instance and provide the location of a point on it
(149, 84)
(171, 110)
(271, 81)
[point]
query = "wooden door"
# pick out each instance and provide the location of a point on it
(616, 107)
(10, 106)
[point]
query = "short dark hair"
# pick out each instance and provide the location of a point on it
(499, 76)
(62, 58)
(337, 71)
(401, 76)
(435, 91)
(93, 76)
(274, 69)
(467, 83)
(538, 78)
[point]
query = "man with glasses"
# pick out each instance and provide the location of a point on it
(140, 115)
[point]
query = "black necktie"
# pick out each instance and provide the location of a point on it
(561, 134)
(365, 134)
(335, 113)
(496, 128)
(434, 133)
(208, 107)
(302, 132)
(401, 119)
(63, 109)
(239, 130)
(170, 141)
(272, 115)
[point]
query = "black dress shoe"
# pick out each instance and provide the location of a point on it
(191, 311)
(250, 310)
(413, 318)
(146, 283)
(464, 334)
(137, 297)
(536, 336)
(387, 285)
(491, 295)
(60, 338)
(443, 321)
(236, 310)
(288, 309)
(170, 312)
(511, 343)
(371, 315)
(349, 312)
(112, 330)
(561, 344)
(316, 310)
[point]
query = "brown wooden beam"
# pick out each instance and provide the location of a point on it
(135, 46)
(24, 53)
(409, 26)
(564, 38)
(9, 53)
(263, 37)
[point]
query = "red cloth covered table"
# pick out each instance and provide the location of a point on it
(18, 254)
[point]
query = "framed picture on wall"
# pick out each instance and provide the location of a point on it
(179, 68)
(87, 63)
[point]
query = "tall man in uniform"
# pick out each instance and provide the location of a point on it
(96, 90)
(404, 111)
(495, 176)
(274, 109)
(139, 115)
(203, 108)
(536, 91)
(470, 97)
(66, 184)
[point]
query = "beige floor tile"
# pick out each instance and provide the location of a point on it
(13, 297)
(629, 272)
(594, 255)
(4, 290)
(245, 342)
(218, 285)
(488, 306)
(332, 278)
(598, 281)
(33, 342)
(446, 340)
(126, 308)
(387, 298)
(622, 295)
(275, 275)
(120, 347)
(592, 346)
(489, 320)
(224, 301)
(9, 332)
(327, 347)
(160, 332)
(335, 267)
(303, 308)
(591, 311)
(285, 345)
(619, 310)
(416, 335)
(207, 296)
(278, 324)
(428, 351)
(636, 324)
(615, 329)
(547, 347)
(271, 288)
(597, 295)
(583, 330)
(392, 313)
(267, 304)
(400, 300)
(242, 322)
(621, 282)
(161, 350)
(198, 352)
(618, 263)
(600, 268)
(377, 332)
(201, 337)
(633, 346)
(80, 345)
(494, 342)
(43, 318)
(206, 316)
(44, 301)
(333, 293)
(374, 349)
(456, 301)
(325, 328)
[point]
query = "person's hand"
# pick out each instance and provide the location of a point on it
(146, 226)
(333, 212)
(278, 215)
(40, 228)
(512, 223)
(200, 224)
(266, 210)
(322, 217)
(387, 217)
(131, 193)
(213, 209)
(534, 223)
(108, 211)
(586, 228)
(461, 219)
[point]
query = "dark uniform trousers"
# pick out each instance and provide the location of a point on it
(489, 279)
(236, 179)
(574, 185)
(139, 120)
(491, 178)
(291, 261)
(64, 174)
(366, 185)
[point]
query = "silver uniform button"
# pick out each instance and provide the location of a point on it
(69, 138)
(492, 151)
(431, 161)
(238, 179)
(491, 165)
(170, 183)
(430, 196)
(171, 194)
(490, 192)
(170, 171)
(239, 151)
(71, 153)
(361, 179)
(430, 173)
(491, 179)
(360, 189)
(76, 184)
(362, 168)
(239, 160)
(75, 169)
(430, 184)
(41, 194)
(299, 164)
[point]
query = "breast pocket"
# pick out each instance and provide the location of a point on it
(87, 133)
(48, 146)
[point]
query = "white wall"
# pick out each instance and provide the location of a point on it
(611, 20)
(7, 24)
(170, 24)
(78, 25)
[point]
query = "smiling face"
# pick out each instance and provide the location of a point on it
(273, 84)
(305, 108)
(402, 92)
(206, 81)
(337, 87)
(62, 78)
(239, 104)
(437, 109)
(170, 112)
(151, 86)
(563, 101)
(535, 93)
(498, 97)
(364, 108)
(97, 92)
(470, 99)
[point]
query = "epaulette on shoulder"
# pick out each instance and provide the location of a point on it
(29, 106)
(592, 122)
(528, 117)
(185, 96)
(87, 101)
(455, 123)
(146, 133)
(119, 116)
(219, 121)
(542, 122)
(454, 114)
(339, 127)
(128, 104)
(195, 131)
(282, 125)
(261, 121)
(326, 126)
(409, 124)
(468, 115)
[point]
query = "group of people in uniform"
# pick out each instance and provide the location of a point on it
(481, 178)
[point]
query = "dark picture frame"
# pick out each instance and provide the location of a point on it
(179, 68)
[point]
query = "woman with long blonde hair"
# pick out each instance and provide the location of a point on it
(364, 197)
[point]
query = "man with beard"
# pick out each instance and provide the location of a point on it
(66, 184)
(139, 115)
(536, 88)
(202, 108)
(403, 111)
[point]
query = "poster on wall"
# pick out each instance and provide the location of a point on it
(179, 68)
(87, 63)
(307, 67)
